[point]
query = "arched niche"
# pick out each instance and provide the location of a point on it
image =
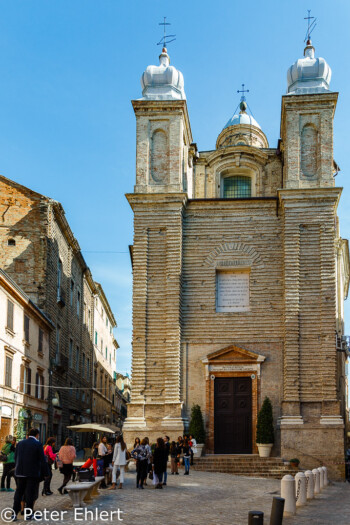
(159, 157)
(309, 151)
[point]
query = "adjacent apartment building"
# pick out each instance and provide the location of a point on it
(24, 362)
(105, 356)
(40, 253)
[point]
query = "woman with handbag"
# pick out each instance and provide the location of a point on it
(141, 454)
(118, 462)
(50, 457)
(8, 461)
(66, 455)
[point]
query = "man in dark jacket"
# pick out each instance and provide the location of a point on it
(30, 468)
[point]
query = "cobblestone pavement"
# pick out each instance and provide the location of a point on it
(199, 499)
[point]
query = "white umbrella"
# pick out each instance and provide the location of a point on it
(93, 427)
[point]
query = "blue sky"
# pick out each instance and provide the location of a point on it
(69, 68)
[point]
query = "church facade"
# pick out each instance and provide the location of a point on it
(239, 273)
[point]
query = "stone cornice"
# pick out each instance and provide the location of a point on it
(156, 199)
(218, 203)
(164, 106)
(292, 196)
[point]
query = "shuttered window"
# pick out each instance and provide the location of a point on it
(40, 343)
(10, 306)
(26, 328)
(42, 387)
(29, 385)
(27, 379)
(8, 371)
(77, 359)
(70, 359)
(39, 386)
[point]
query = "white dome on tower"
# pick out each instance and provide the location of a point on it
(163, 82)
(309, 74)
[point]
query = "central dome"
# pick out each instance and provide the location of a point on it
(242, 118)
(242, 129)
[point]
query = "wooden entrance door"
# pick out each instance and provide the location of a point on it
(233, 415)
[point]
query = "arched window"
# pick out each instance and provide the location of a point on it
(237, 186)
(11, 242)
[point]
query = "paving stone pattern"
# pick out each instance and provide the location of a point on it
(202, 498)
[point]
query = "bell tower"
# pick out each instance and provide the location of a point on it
(307, 124)
(311, 405)
(163, 184)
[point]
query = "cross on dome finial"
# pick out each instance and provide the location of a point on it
(243, 91)
(164, 40)
(243, 104)
(310, 27)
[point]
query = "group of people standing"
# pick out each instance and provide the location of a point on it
(30, 463)
(152, 461)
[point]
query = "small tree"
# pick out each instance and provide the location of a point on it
(264, 427)
(197, 425)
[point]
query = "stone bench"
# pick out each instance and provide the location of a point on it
(82, 492)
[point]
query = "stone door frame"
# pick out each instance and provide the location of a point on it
(231, 361)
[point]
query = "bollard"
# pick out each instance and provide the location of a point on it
(300, 489)
(277, 511)
(325, 476)
(320, 469)
(316, 480)
(288, 493)
(309, 484)
(255, 517)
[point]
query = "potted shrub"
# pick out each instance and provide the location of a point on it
(294, 462)
(196, 429)
(264, 429)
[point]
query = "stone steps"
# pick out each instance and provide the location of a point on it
(240, 465)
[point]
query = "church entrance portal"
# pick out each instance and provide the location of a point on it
(233, 415)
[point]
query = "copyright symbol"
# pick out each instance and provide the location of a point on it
(7, 515)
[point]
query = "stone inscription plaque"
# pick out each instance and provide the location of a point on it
(232, 291)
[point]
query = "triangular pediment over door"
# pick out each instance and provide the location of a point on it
(233, 358)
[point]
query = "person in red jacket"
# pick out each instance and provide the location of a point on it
(50, 456)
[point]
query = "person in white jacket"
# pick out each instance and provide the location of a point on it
(118, 461)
